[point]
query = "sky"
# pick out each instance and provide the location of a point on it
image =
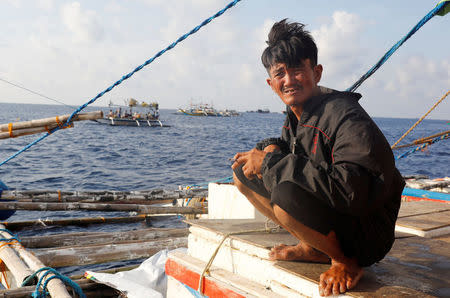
(72, 50)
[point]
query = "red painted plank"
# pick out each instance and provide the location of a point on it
(191, 279)
(410, 198)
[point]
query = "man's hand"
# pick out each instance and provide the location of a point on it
(252, 161)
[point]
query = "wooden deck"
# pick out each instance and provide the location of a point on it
(416, 266)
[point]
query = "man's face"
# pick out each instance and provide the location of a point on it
(294, 85)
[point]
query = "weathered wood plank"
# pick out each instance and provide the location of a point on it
(426, 222)
(96, 238)
(14, 225)
(95, 254)
(421, 207)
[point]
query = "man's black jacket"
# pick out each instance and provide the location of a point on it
(336, 153)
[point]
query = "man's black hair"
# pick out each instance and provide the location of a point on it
(289, 43)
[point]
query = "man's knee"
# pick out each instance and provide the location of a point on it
(284, 217)
(292, 205)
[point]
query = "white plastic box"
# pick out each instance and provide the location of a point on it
(225, 201)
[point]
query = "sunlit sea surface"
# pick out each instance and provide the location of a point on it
(193, 150)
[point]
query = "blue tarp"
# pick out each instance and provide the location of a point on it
(420, 193)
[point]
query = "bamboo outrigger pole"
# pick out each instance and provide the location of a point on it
(101, 196)
(23, 128)
(146, 209)
(55, 286)
(424, 140)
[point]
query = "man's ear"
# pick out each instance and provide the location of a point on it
(318, 69)
(269, 82)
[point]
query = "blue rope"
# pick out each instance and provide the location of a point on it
(386, 56)
(9, 239)
(48, 270)
(223, 180)
(7, 231)
(443, 137)
(171, 46)
(13, 236)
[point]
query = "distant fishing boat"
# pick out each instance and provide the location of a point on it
(206, 110)
(199, 110)
(229, 113)
(148, 117)
(261, 111)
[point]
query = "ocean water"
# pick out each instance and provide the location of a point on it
(193, 150)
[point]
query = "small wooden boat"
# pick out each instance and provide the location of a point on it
(206, 110)
(125, 117)
(113, 121)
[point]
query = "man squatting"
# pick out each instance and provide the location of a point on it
(330, 180)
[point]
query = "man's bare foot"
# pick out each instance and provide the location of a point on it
(299, 252)
(340, 278)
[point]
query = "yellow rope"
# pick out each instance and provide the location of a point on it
(420, 120)
(3, 270)
(10, 130)
(266, 229)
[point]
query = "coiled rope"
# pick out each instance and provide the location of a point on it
(420, 120)
(125, 77)
(56, 274)
(389, 53)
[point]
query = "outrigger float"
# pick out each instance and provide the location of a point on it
(23, 128)
(28, 261)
